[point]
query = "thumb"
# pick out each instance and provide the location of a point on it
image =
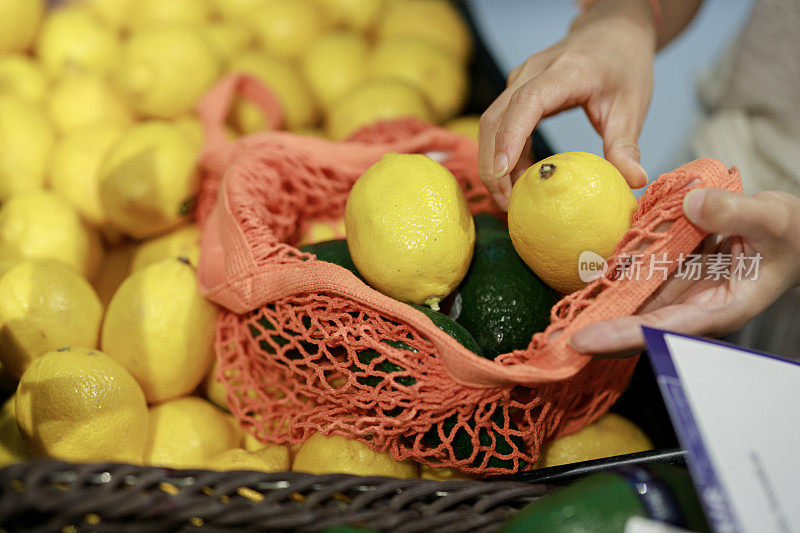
(726, 213)
(621, 146)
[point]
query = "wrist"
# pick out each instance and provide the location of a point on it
(641, 16)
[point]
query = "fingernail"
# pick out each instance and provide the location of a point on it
(500, 165)
(644, 173)
(692, 202)
(584, 339)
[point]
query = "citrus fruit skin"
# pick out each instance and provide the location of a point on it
(113, 271)
(357, 15)
(80, 99)
(44, 305)
(234, 10)
(42, 225)
(334, 64)
(164, 70)
(564, 205)
(75, 168)
(23, 77)
(374, 100)
(12, 448)
(146, 13)
(280, 76)
(19, 20)
(73, 37)
(609, 435)
(409, 229)
(270, 458)
(161, 329)
(335, 454)
(285, 28)
(115, 13)
(439, 75)
(436, 21)
(78, 404)
(187, 432)
(26, 141)
(181, 243)
(228, 38)
(467, 126)
(147, 179)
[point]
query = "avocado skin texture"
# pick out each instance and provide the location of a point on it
(334, 251)
(454, 329)
(503, 303)
(462, 441)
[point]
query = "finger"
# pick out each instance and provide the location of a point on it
(623, 335)
(526, 159)
(499, 186)
(620, 143)
(727, 213)
(553, 90)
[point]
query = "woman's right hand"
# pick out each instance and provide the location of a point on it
(605, 65)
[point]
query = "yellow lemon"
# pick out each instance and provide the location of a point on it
(409, 228)
(44, 305)
(338, 455)
(285, 28)
(235, 10)
(228, 38)
(281, 77)
(563, 206)
(161, 329)
(373, 101)
(334, 64)
(75, 38)
(148, 179)
(19, 20)
(467, 126)
(358, 15)
(26, 139)
(217, 393)
(145, 13)
(75, 168)
(12, 448)
(252, 444)
(78, 404)
(113, 271)
(271, 458)
(115, 13)
(21, 76)
(80, 99)
(437, 21)
(322, 230)
(609, 435)
(442, 474)
(40, 225)
(434, 71)
(181, 243)
(164, 70)
(186, 432)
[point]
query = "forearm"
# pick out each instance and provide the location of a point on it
(673, 16)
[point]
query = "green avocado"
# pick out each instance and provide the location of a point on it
(462, 441)
(503, 303)
(454, 329)
(335, 251)
(488, 222)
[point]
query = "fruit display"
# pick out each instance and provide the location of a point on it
(103, 329)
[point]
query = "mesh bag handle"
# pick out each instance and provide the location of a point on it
(231, 274)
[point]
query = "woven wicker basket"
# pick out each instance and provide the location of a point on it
(54, 496)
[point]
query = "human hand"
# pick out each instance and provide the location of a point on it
(767, 224)
(605, 65)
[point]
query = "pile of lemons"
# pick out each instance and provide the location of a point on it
(106, 345)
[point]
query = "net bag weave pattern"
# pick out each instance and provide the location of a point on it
(305, 346)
